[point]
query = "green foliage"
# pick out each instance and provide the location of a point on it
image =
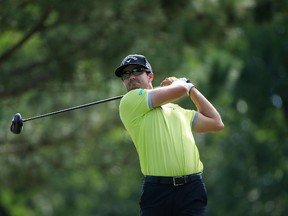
(57, 54)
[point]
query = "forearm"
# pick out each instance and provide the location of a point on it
(171, 89)
(167, 94)
(203, 105)
(210, 117)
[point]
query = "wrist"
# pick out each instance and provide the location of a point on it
(188, 84)
(190, 87)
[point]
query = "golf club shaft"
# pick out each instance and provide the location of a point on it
(72, 108)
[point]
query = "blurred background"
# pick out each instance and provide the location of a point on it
(57, 54)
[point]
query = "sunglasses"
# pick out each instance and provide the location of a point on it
(134, 71)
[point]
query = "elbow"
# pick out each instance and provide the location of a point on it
(219, 126)
(213, 126)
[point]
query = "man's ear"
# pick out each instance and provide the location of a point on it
(151, 76)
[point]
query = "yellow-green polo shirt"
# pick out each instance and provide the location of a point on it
(162, 136)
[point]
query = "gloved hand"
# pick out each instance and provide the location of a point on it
(184, 81)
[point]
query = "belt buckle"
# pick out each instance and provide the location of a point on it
(179, 180)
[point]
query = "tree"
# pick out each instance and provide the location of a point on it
(56, 54)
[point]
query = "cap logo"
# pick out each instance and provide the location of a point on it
(129, 58)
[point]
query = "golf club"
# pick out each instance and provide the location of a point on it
(17, 121)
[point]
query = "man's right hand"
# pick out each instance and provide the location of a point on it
(168, 81)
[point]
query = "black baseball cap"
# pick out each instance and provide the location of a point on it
(133, 59)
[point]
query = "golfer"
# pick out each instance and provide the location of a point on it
(162, 134)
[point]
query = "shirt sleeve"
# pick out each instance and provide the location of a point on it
(134, 105)
(194, 119)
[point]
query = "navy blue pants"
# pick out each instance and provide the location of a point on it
(168, 200)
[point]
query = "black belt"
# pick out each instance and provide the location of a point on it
(176, 181)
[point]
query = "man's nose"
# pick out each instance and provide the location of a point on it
(132, 76)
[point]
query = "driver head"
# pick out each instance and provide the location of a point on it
(17, 124)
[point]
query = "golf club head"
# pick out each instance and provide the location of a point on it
(17, 124)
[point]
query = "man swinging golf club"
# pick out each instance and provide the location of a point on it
(162, 134)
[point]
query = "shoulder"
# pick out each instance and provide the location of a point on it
(131, 96)
(136, 97)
